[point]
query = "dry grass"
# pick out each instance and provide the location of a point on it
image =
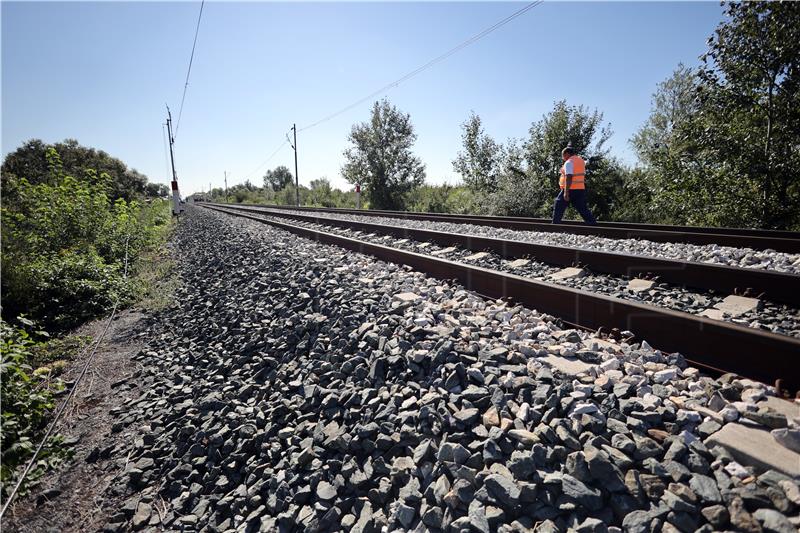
(156, 276)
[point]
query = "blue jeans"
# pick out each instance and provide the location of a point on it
(577, 197)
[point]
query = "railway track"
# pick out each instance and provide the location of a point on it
(781, 241)
(711, 344)
(777, 286)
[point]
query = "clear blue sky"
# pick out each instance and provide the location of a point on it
(102, 72)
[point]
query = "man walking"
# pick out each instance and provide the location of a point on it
(573, 189)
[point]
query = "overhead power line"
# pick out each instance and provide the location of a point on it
(406, 77)
(429, 64)
(189, 70)
(267, 160)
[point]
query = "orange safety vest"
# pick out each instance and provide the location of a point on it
(579, 172)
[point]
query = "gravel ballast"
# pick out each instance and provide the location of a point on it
(767, 315)
(300, 387)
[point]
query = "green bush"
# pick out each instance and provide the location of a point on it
(65, 245)
(65, 289)
(26, 405)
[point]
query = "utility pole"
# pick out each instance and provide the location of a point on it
(176, 196)
(296, 177)
(226, 186)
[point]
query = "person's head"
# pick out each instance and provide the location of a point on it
(567, 152)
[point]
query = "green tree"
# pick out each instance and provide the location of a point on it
(156, 190)
(30, 161)
(744, 138)
(321, 193)
(667, 183)
(64, 246)
(279, 178)
(635, 199)
(479, 161)
(381, 159)
(529, 174)
(673, 104)
(429, 199)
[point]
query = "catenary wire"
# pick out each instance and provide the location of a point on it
(267, 160)
(427, 65)
(189, 70)
(409, 75)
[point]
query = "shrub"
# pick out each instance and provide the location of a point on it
(65, 246)
(26, 406)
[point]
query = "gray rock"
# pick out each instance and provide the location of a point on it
(740, 518)
(708, 427)
(652, 485)
(791, 490)
(706, 488)
(591, 525)
(646, 447)
(464, 490)
(637, 522)
(767, 417)
(717, 515)
(504, 489)
(603, 471)
(676, 503)
(307, 387)
(142, 515)
(623, 443)
(677, 471)
(773, 521)
(684, 522)
(406, 515)
(589, 498)
(522, 464)
(326, 491)
(477, 518)
(433, 517)
(788, 438)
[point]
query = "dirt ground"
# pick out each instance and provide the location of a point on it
(74, 496)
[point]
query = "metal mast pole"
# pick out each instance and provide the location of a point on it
(296, 177)
(176, 197)
(226, 186)
(171, 140)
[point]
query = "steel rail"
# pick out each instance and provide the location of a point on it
(709, 343)
(604, 224)
(781, 241)
(776, 286)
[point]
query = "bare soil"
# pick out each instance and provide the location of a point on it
(75, 496)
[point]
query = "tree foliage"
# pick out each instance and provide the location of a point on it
(30, 161)
(156, 190)
(731, 152)
(321, 192)
(479, 162)
(66, 243)
(521, 177)
(660, 149)
(26, 406)
(443, 199)
(381, 159)
(279, 178)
